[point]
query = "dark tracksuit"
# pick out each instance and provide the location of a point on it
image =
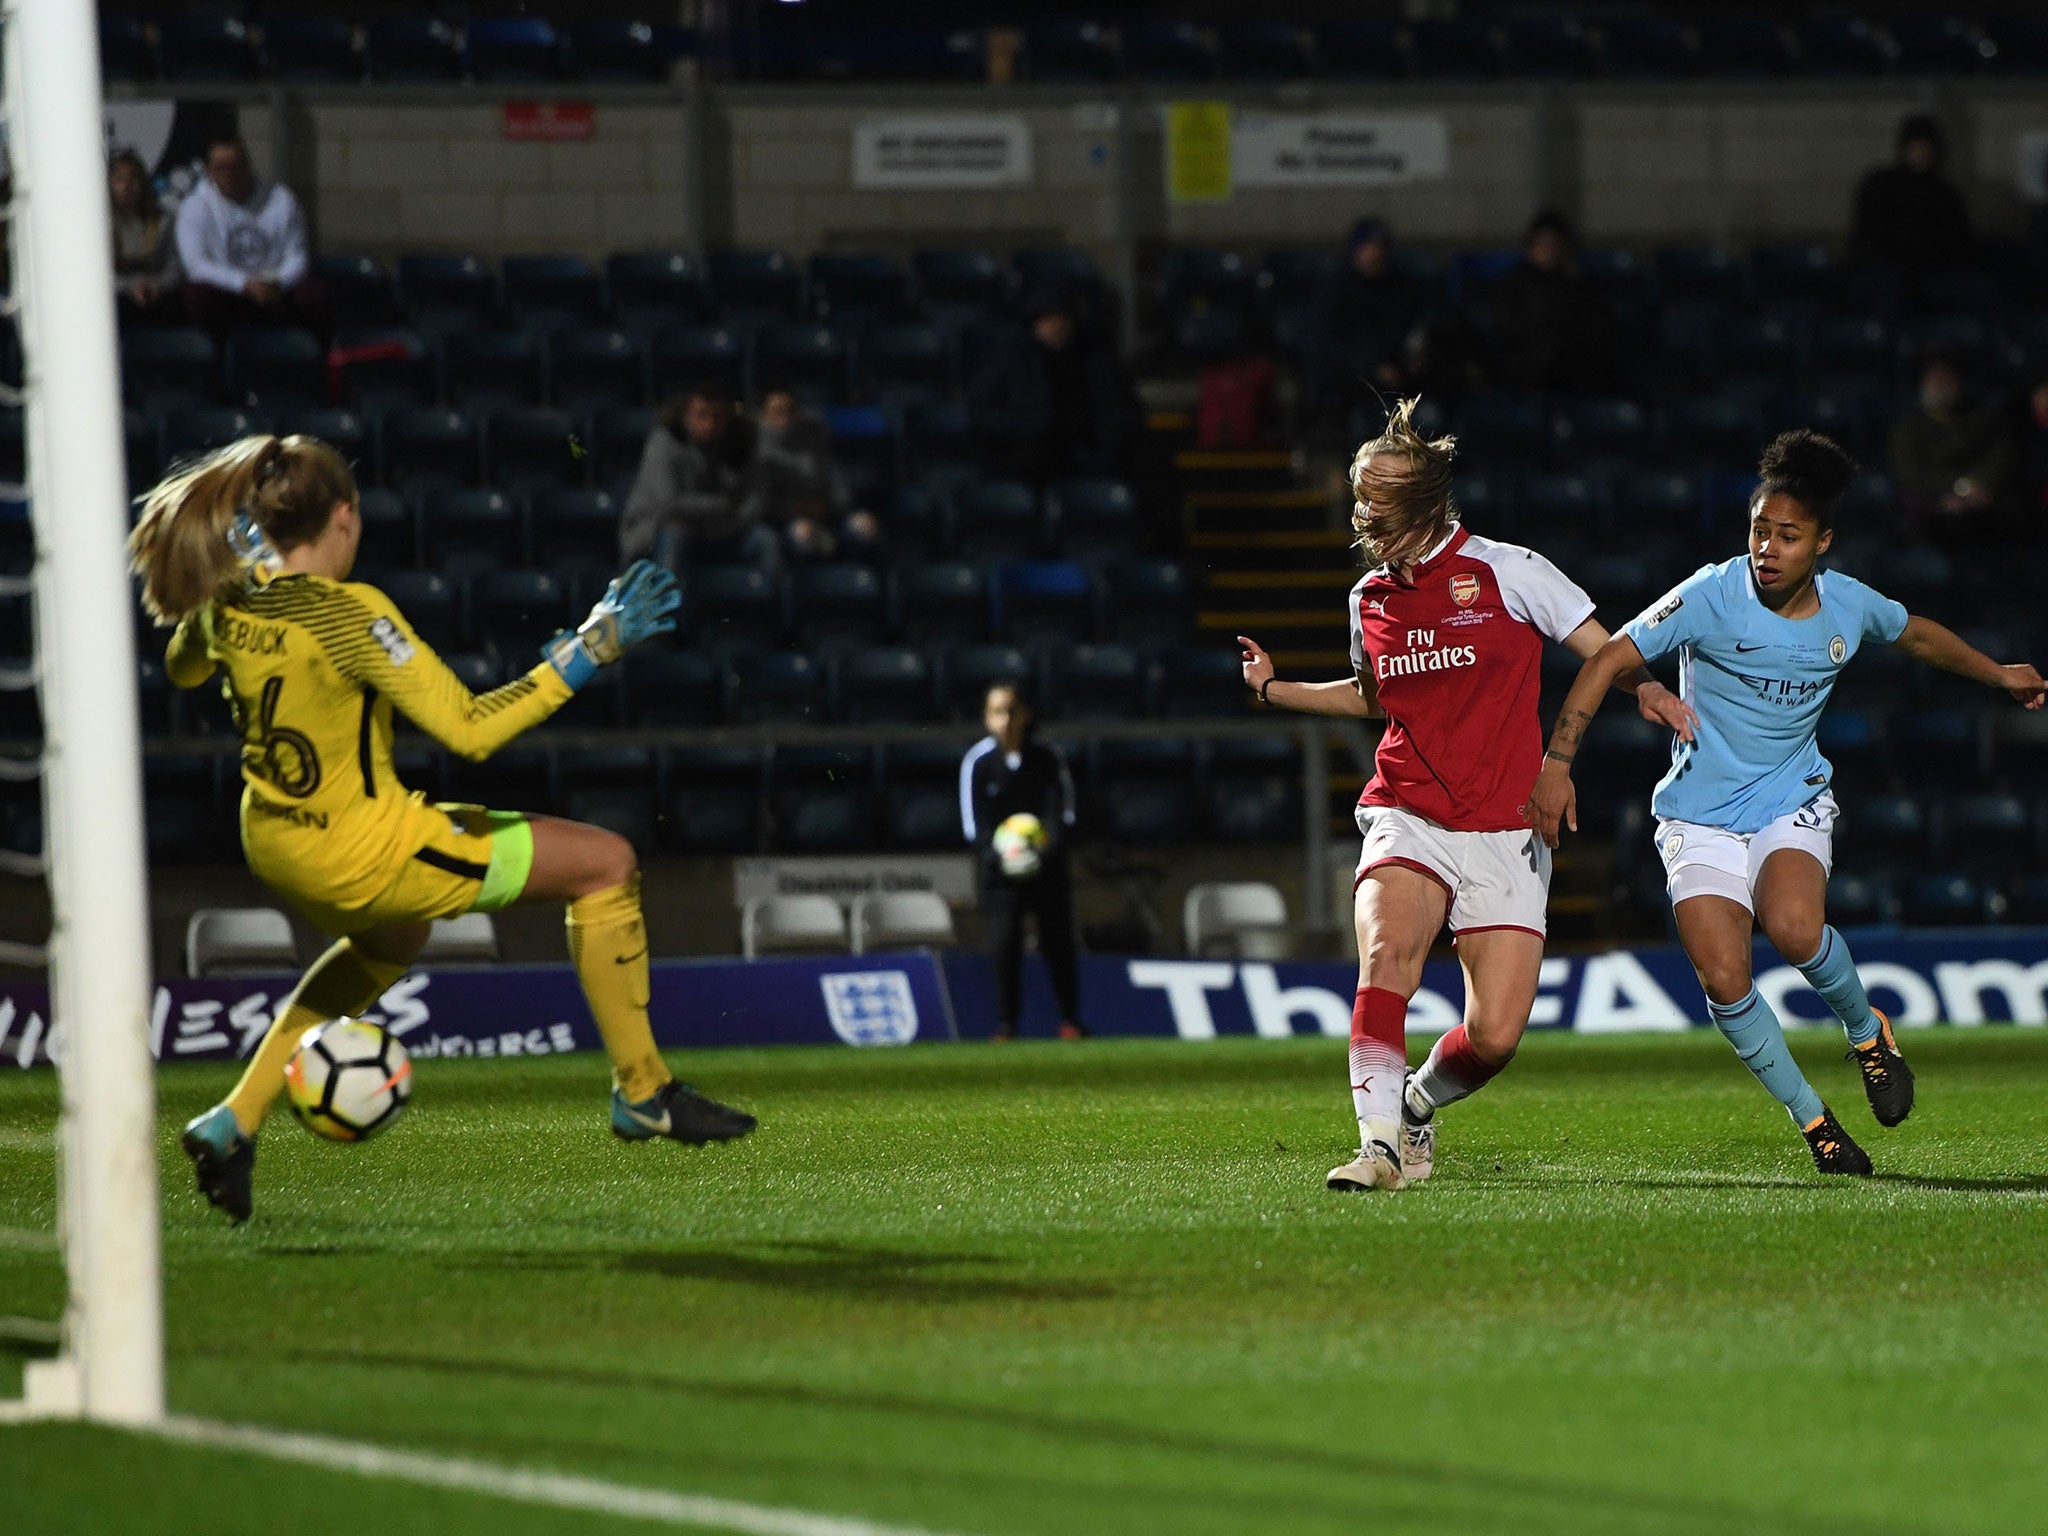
(994, 787)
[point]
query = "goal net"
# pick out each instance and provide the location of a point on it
(83, 1256)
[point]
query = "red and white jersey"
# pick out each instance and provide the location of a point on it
(1456, 653)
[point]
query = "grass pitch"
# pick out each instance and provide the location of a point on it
(1099, 1288)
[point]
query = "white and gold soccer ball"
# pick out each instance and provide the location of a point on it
(1019, 845)
(348, 1080)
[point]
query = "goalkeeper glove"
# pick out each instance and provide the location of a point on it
(637, 606)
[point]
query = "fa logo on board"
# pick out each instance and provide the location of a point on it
(1465, 589)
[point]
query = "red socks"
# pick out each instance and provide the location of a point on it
(1454, 1070)
(1379, 1061)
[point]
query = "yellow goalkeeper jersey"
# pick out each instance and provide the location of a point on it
(314, 671)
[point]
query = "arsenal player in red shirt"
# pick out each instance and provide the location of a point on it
(1446, 638)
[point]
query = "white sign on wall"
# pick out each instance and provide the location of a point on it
(1276, 149)
(849, 876)
(957, 151)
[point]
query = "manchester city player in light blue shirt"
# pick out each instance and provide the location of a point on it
(1746, 814)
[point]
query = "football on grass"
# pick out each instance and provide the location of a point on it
(348, 1080)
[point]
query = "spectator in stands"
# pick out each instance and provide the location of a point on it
(1550, 329)
(1909, 217)
(1951, 456)
(146, 274)
(1051, 404)
(689, 500)
(1367, 313)
(796, 485)
(243, 247)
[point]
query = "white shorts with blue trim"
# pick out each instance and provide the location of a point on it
(1712, 861)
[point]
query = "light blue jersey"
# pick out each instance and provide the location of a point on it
(1758, 683)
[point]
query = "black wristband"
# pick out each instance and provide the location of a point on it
(1558, 757)
(1269, 682)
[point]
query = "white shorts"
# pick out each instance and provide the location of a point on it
(1711, 861)
(1494, 879)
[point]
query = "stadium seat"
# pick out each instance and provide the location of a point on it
(1983, 832)
(792, 925)
(731, 605)
(783, 687)
(1360, 48)
(413, 48)
(836, 604)
(941, 601)
(1855, 744)
(1550, 505)
(312, 48)
(391, 528)
(1148, 601)
(515, 48)
(441, 284)
(669, 688)
(1240, 919)
(382, 368)
(1947, 901)
(921, 794)
(1542, 45)
(530, 448)
(867, 446)
(239, 941)
(1690, 272)
(575, 530)
(1887, 829)
(613, 788)
(1061, 267)
(1070, 51)
(342, 429)
(515, 611)
(1600, 428)
(1205, 682)
(1039, 602)
(1709, 430)
(1264, 48)
(126, 50)
(657, 281)
(206, 45)
(715, 804)
(755, 282)
(973, 279)
(997, 519)
(1453, 48)
(1097, 682)
(689, 356)
(1743, 46)
(595, 368)
(2028, 901)
(620, 51)
(460, 943)
(888, 920)
(1254, 789)
(1844, 45)
(853, 289)
(276, 369)
(1648, 47)
(484, 370)
(433, 604)
(1931, 43)
(1502, 427)
(569, 283)
(970, 671)
(1168, 50)
(520, 777)
(1146, 790)
(172, 362)
(940, 438)
(1856, 901)
(466, 530)
(424, 448)
(1210, 335)
(907, 354)
(188, 434)
(812, 360)
(823, 798)
(882, 685)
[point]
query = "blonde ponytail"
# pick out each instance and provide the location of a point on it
(183, 545)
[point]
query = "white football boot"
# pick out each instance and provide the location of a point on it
(1418, 1142)
(1377, 1166)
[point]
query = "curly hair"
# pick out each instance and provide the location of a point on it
(1813, 470)
(1402, 485)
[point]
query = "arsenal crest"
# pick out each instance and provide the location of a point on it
(1464, 589)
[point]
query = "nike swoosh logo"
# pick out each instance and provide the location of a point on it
(658, 1126)
(1746, 649)
(638, 954)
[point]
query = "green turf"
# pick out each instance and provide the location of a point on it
(1100, 1288)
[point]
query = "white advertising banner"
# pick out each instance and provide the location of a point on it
(955, 152)
(846, 877)
(1276, 149)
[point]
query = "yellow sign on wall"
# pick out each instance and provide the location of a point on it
(1198, 152)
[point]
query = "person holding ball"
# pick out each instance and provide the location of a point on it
(1017, 812)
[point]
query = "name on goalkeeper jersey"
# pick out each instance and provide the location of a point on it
(1431, 658)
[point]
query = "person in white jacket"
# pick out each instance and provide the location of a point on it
(244, 250)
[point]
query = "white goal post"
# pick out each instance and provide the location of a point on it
(111, 1362)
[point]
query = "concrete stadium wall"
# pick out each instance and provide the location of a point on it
(387, 169)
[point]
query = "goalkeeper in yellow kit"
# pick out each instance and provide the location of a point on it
(247, 551)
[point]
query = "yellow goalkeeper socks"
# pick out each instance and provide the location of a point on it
(340, 984)
(608, 946)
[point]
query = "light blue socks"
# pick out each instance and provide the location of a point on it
(1832, 974)
(1759, 1040)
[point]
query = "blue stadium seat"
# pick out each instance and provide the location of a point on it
(671, 687)
(1856, 744)
(2028, 902)
(551, 282)
(997, 519)
(868, 447)
(1947, 901)
(126, 50)
(787, 687)
(907, 354)
(848, 288)
(384, 367)
(1070, 51)
(468, 530)
(435, 606)
(312, 48)
(812, 360)
(1936, 44)
(613, 788)
(1361, 48)
(1161, 49)
(1503, 427)
(391, 528)
(431, 285)
(823, 798)
(1600, 428)
(1040, 602)
(731, 605)
(1059, 266)
(657, 281)
(1746, 46)
(710, 356)
(941, 601)
(1203, 274)
(595, 368)
(969, 671)
(1548, 46)
(1648, 47)
(620, 51)
(1265, 48)
(1098, 682)
(1210, 335)
(915, 520)
(941, 437)
(342, 429)
(361, 290)
(173, 362)
(758, 282)
(1698, 272)
(1984, 832)
(276, 368)
(531, 447)
(1859, 901)
(181, 795)
(1253, 793)
(1798, 269)
(1285, 277)
(575, 533)
(484, 370)
(921, 794)
(974, 279)
(1714, 430)
(206, 45)
(1096, 518)
(1661, 501)
(1844, 45)
(883, 685)
(1202, 683)
(618, 437)
(1767, 345)
(1147, 601)
(837, 604)
(190, 433)
(425, 448)
(515, 48)
(1454, 48)
(413, 48)
(1853, 343)
(1147, 791)
(715, 805)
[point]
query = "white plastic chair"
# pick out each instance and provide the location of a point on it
(792, 925)
(1244, 919)
(471, 939)
(239, 941)
(903, 920)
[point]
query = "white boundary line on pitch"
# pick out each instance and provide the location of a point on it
(522, 1485)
